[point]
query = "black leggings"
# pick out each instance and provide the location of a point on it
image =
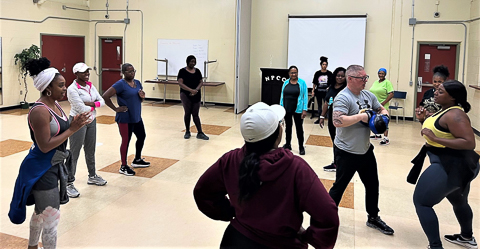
(431, 189)
(297, 117)
(126, 130)
(233, 239)
(366, 166)
(191, 108)
(320, 96)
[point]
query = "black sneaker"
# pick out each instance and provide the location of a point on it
(302, 150)
(140, 163)
(459, 240)
(374, 136)
(330, 168)
(287, 146)
(187, 135)
(317, 121)
(126, 170)
(380, 225)
(202, 135)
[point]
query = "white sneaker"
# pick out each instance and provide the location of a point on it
(385, 141)
(72, 192)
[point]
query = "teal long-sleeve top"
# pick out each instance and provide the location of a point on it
(302, 103)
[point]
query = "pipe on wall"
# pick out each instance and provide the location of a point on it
(124, 47)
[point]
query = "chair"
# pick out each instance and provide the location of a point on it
(398, 96)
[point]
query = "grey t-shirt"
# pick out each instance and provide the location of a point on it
(354, 139)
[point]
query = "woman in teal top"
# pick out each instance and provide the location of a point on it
(294, 99)
(383, 90)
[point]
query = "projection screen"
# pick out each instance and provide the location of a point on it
(340, 38)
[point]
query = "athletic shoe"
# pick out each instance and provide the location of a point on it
(287, 146)
(330, 168)
(140, 163)
(380, 225)
(187, 135)
(72, 192)
(385, 141)
(96, 180)
(202, 135)
(317, 121)
(375, 136)
(459, 240)
(302, 150)
(124, 169)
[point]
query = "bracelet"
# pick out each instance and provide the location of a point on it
(322, 117)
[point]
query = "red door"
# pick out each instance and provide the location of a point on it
(111, 62)
(64, 52)
(432, 55)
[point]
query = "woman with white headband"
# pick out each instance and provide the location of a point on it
(44, 166)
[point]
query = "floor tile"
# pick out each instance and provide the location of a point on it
(104, 119)
(157, 165)
(12, 146)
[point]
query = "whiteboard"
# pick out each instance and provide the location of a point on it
(177, 51)
(340, 39)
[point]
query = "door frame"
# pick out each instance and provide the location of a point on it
(80, 36)
(419, 43)
(100, 58)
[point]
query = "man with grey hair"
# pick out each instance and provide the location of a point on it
(352, 149)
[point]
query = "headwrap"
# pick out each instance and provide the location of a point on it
(382, 70)
(43, 79)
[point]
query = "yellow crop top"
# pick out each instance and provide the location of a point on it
(432, 124)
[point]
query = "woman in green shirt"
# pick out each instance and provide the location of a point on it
(383, 90)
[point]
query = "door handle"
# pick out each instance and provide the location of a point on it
(419, 84)
(118, 53)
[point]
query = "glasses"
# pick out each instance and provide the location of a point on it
(365, 78)
(131, 71)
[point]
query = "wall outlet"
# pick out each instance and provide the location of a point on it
(21, 92)
(153, 88)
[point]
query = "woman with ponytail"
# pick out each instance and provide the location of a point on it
(450, 144)
(40, 172)
(263, 190)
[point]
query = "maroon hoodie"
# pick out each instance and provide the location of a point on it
(274, 214)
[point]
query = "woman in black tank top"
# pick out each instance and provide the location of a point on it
(37, 182)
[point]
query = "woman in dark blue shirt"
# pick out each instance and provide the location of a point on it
(130, 96)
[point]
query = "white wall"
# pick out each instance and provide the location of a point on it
(19, 35)
(388, 39)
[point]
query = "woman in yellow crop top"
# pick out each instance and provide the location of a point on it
(450, 144)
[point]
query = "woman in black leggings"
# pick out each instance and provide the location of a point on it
(454, 164)
(339, 84)
(190, 81)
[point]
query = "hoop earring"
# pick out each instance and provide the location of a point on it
(49, 93)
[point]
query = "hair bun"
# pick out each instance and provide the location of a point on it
(35, 66)
(324, 59)
(441, 70)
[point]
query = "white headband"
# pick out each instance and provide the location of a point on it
(43, 79)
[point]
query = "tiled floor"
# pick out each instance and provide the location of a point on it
(158, 211)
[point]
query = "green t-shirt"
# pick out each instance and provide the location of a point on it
(381, 91)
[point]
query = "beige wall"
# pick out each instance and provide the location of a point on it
(388, 39)
(182, 19)
(19, 35)
(474, 64)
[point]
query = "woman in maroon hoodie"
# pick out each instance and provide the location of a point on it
(263, 190)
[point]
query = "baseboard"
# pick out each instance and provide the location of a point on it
(13, 107)
(477, 132)
(179, 101)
